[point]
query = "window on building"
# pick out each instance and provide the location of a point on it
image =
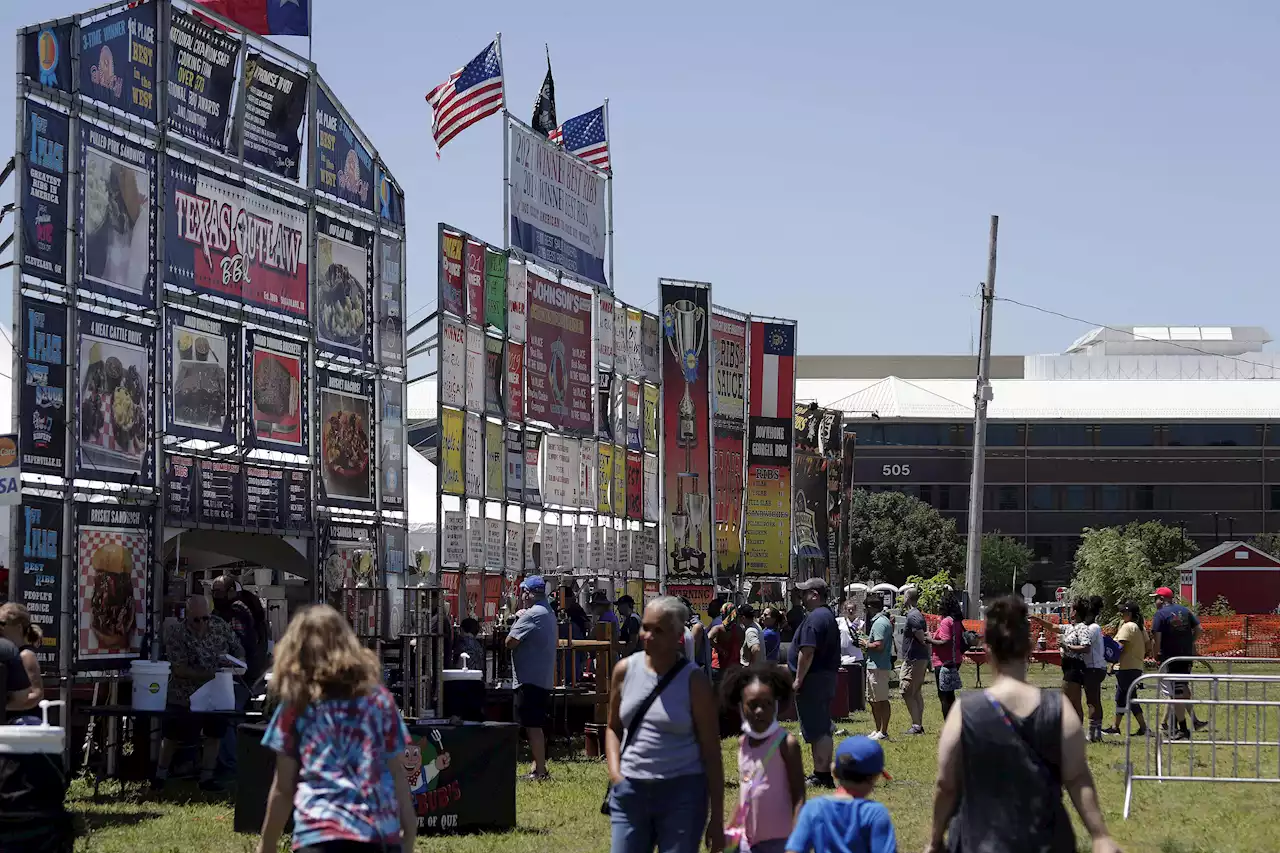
(944, 498)
(1144, 498)
(926, 495)
(905, 435)
(1275, 498)
(1042, 547)
(1007, 498)
(1213, 435)
(961, 435)
(1060, 435)
(1006, 435)
(1126, 435)
(1040, 497)
(1077, 497)
(1111, 497)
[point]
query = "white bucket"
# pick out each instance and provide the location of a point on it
(150, 684)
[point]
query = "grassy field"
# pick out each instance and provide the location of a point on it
(562, 815)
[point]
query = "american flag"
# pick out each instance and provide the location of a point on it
(471, 93)
(772, 385)
(584, 135)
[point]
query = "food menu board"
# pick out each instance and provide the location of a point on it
(114, 400)
(44, 193)
(202, 491)
(275, 100)
(202, 78)
(391, 444)
(235, 241)
(276, 398)
(203, 367)
(39, 587)
(42, 396)
(113, 563)
(346, 450)
(344, 268)
(277, 498)
(390, 302)
(343, 167)
(117, 216)
(118, 60)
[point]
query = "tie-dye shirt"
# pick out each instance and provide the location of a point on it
(342, 746)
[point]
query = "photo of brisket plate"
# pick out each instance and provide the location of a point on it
(273, 394)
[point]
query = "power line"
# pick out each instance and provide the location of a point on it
(1137, 336)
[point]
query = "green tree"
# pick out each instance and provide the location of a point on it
(931, 590)
(1127, 563)
(893, 536)
(1003, 560)
(1268, 543)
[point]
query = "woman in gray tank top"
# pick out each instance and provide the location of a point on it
(1032, 747)
(665, 766)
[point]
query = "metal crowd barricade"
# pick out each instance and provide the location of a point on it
(1243, 725)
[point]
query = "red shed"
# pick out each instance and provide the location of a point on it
(1247, 578)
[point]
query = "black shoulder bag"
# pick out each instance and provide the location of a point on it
(636, 720)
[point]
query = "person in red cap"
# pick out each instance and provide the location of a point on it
(1174, 632)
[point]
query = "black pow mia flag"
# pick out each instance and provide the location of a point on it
(544, 108)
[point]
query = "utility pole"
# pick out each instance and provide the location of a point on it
(981, 397)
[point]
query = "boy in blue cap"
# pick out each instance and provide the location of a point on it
(847, 821)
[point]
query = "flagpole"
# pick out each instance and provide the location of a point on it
(506, 155)
(608, 198)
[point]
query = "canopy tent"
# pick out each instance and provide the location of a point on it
(420, 502)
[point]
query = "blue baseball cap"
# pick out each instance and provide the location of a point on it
(859, 756)
(534, 584)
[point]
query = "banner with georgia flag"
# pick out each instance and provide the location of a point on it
(770, 400)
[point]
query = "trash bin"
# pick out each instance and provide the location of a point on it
(840, 701)
(857, 686)
(33, 786)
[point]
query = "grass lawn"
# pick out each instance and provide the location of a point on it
(563, 816)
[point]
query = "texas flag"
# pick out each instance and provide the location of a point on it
(773, 355)
(266, 17)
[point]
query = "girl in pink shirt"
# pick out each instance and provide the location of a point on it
(948, 650)
(770, 767)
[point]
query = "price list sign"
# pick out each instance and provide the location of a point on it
(277, 498)
(221, 484)
(181, 490)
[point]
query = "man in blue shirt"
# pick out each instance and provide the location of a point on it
(532, 642)
(879, 648)
(1174, 632)
(815, 660)
(848, 821)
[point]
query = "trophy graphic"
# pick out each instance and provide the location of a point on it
(685, 326)
(679, 526)
(696, 506)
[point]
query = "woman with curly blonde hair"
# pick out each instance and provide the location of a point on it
(16, 627)
(340, 743)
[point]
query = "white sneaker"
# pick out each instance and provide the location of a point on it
(878, 735)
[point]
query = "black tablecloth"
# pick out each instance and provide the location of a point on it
(476, 790)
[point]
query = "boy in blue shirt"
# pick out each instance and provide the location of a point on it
(847, 821)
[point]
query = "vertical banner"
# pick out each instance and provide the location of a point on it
(532, 469)
(651, 508)
(451, 293)
(635, 487)
(473, 275)
(634, 362)
(44, 193)
(344, 269)
(619, 489)
(517, 300)
(46, 56)
(558, 356)
(392, 461)
(113, 580)
(117, 216)
(495, 290)
(42, 398)
(495, 376)
(686, 425)
(767, 527)
(588, 473)
(39, 587)
(634, 440)
(118, 60)
(649, 418)
(650, 341)
(202, 78)
(114, 404)
(729, 337)
(475, 369)
(455, 538)
(451, 442)
(514, 449)
(560, 471)
(473, 465)
(495, 459)
(515, 381)
(275, 102)
(453, 363)
(604, 479)
(343, 167)
(347, 454)
(604, 332)
(390, 302)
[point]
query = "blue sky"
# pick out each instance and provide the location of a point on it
(837, 162)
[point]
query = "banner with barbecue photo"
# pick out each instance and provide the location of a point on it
(346, 448)
(113, 560)
(348, 554)
(203, 365)
(276, 396)
(116, 360)
(234, 240)
(116, 216)
(344, 268)
(42, 396)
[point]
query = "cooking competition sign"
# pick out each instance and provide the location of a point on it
(203, 367)
(225, 238)
(558, 386)
(115, 361)
(343, 167)
(42, 395)
(277, 392)
(202, 78)
(344, 268)
(117, 216)
(346, 446)
(275, 100)
(44, 193)
(118, 60)
(113, 563)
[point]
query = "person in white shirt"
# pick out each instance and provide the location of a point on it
(850, 625)
(752, 648)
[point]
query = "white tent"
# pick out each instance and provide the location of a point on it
(420, 503)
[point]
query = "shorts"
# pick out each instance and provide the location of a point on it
(184, 727)
(911, 673)
(350, 847)
(531, 706)
(1094, 677)
(1124, 680)
(1177, 688)
(878, 685)
(813, 706)
(1072, 670)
